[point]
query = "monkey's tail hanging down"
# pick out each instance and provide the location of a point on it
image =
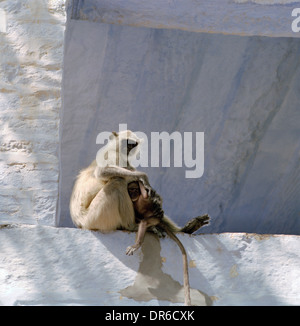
(186, 283)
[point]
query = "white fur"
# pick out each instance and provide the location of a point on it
(102, 203)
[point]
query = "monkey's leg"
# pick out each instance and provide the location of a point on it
(195, 224)
(111, 208)
(139, 238)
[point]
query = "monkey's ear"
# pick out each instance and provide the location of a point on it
(113, 135)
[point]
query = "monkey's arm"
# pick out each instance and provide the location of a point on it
(117, 171)
(143, 225)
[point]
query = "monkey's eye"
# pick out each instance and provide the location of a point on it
(131, 145)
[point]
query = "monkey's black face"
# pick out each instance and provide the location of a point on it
(131, 145)
(134, 190)
(128, 145)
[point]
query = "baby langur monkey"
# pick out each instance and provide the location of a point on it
(149, 213)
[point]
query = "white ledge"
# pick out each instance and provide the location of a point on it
(43, 265)
(240, 17)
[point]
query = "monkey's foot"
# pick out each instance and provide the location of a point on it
(195, 224)
(131, 249)
(158, 231)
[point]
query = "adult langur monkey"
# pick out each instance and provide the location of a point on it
(149, 213)
(99, 199)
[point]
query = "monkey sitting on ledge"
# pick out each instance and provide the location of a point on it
(100, 199)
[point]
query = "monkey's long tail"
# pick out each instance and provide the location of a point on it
(186, 282)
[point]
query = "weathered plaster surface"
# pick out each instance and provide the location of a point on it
(31, 47)
(42, 265)
(241, 17)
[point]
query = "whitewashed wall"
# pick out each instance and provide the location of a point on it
(224, 269)
(237, 17)
(31, 55)
(31, 45)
